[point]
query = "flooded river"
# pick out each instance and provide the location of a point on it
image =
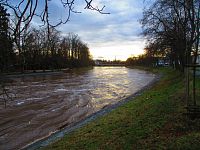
(43, 104)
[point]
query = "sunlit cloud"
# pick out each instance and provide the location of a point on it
(117, 50)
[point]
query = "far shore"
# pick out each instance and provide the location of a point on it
(27, 73)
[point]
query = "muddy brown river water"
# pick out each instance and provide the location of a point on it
(43, 104)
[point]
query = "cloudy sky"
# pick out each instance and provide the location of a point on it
(109, 36)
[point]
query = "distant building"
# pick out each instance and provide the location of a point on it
(163, 61)
(198, 63)
(109, 63)
(97, 62)
(198, 59)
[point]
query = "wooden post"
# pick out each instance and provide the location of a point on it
(191, 100)
(187, 86)
(194, 85)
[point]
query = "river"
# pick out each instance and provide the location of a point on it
(43, 104)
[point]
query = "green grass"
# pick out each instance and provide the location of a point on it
(153, 120)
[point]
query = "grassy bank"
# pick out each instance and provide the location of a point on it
(153, 120)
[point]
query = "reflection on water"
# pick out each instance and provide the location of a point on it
(44, 104)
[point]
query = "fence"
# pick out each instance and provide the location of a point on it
(192, 95)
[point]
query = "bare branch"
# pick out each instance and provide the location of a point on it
(26, 10)
(91, 7)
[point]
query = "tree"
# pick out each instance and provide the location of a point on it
(52, 51)
(6, 52)
(75, 51)
(173, 26)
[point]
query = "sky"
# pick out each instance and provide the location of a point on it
(109, 36)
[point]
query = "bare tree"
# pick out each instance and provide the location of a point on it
(174, 25)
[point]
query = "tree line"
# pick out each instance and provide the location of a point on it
(142, 60)
(172, 29)
(39, 48)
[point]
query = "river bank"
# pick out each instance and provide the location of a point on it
(66, 130)
(153, 120)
